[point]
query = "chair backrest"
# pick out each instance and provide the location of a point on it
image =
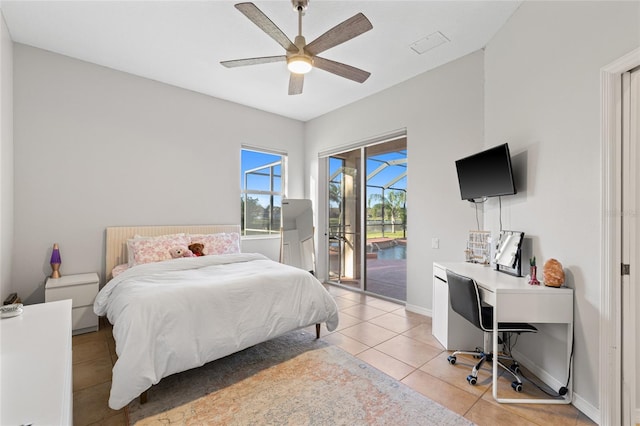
(465, 298)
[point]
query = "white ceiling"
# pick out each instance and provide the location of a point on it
(182, 43)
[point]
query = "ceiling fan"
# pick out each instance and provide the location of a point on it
(300, 56)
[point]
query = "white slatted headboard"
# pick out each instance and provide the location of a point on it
(117, 236)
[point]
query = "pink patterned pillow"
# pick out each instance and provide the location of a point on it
(222, 243)
(119, 269)
(154, 249)
(130, 250)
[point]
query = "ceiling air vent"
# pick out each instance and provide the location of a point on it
(429, 42)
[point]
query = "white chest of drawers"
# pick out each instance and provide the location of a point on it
(451, 330)
(82, 290)
(36, 367)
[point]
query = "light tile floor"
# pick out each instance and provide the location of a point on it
(380, 333)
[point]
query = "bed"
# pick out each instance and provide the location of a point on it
(176, 314)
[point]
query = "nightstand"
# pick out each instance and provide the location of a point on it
(82, 290)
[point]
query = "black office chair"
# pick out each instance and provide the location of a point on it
(465, 300)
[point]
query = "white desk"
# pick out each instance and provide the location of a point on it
(514, 300)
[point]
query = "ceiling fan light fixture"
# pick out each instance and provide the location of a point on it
(300, 56)
(299, 64)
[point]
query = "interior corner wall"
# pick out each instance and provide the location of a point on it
(542, 96)
(442, 113)
(6, 159)
(95, 147)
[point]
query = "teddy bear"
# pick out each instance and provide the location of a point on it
(197, 249)
(177, 252)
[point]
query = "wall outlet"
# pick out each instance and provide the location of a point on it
(435, 243)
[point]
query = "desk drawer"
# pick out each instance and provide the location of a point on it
(535, 308)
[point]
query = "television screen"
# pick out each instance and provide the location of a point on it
(486, 174)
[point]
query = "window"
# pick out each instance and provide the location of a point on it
(262, 183)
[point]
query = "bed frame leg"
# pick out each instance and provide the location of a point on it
(317, 331)
(143, 397)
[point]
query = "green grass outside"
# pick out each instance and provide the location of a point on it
(394, 235)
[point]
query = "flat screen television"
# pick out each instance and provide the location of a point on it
(486, 174)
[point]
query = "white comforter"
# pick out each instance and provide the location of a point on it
(180, 314)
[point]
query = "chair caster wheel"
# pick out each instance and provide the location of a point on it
(472, 380)
(515, 368)
(451, 359)
(516, 386)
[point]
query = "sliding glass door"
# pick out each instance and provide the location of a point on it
(386, 230)
(367, 233)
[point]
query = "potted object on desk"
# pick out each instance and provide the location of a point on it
(533, 279)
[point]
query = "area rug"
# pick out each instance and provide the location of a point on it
(291, 380)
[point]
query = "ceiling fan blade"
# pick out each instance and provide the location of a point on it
(265, 24)
(296, 81)
(253, 61)
(347, 30)
(343, 70)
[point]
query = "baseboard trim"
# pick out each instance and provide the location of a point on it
(587, 409)
(419, 310)
(577, 401)
(540, 373)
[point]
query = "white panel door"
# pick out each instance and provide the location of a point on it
(630, 250)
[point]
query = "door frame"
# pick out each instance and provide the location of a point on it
(611, 238)
(322, 261)
(630, 121)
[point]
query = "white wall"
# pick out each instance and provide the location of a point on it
(442, 112)
(96, 147)
(269, 246)
(6, 159)
(542, 96)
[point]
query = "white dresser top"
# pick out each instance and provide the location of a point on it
(493, 280)
(70, 280)
(34, 363)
